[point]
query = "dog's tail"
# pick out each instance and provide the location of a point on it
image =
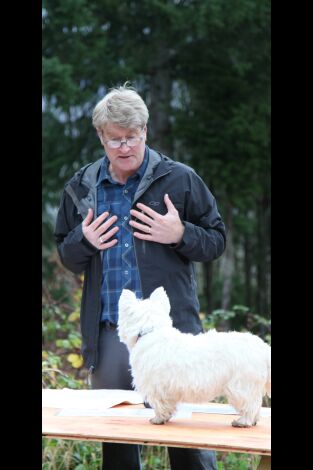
(268, 382)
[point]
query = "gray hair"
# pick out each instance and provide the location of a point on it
(122, 106)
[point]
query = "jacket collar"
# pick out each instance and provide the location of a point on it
(104, 173)
(158, 166)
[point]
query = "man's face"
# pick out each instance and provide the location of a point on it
(125, 160)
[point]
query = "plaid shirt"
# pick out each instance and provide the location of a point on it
(119, 266)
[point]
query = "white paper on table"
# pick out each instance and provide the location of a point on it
(215, 408)
(94, 402)
(100, 399)
(134, 413)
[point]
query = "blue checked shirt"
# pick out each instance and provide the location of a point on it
(119, 266)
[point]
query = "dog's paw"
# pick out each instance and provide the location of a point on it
(156, 420)
(238, 423)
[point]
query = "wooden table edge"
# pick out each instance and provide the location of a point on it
(154, 442)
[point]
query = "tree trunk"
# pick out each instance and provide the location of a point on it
(227, 265)
(263, 269)
(159, 104)
(248, 270)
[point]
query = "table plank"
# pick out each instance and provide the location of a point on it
(203, 430)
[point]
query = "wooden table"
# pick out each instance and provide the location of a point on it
(203, 430)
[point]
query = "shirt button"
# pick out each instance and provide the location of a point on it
(125, 217)
(126, 273)
(127, 245)
(125, 191)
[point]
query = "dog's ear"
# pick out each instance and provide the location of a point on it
(159, 295)
(127, 297)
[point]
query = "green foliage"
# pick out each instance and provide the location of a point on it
(59, 454)
(237, 461)
(155, 458)
(239, 318)
(53, 377)
(60, 326)
(58, 82)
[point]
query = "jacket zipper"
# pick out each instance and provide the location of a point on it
(90, 372)
(92, 367)
(136, 199)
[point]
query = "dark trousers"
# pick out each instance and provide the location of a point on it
(112, 372)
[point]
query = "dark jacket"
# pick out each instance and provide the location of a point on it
(159, 264)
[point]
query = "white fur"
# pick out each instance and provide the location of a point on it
(169, 367)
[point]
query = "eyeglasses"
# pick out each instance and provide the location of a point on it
(130, 142)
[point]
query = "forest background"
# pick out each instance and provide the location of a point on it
(203, 68)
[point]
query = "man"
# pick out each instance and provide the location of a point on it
(134, 219)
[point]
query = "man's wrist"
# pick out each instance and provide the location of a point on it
(180, 236)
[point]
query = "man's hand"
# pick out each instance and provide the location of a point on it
(97, 232)
(166, 228)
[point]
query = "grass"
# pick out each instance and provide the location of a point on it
(61, 454)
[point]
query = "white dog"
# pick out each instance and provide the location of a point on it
(169, 367)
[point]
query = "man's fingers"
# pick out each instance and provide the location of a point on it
(141, 216)
(142, 236)
(107, 235)
(88, 218)
(170, 206)
(105, 246)
(150, 212)
(99, 220)
(103, 227)
(145, 228)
